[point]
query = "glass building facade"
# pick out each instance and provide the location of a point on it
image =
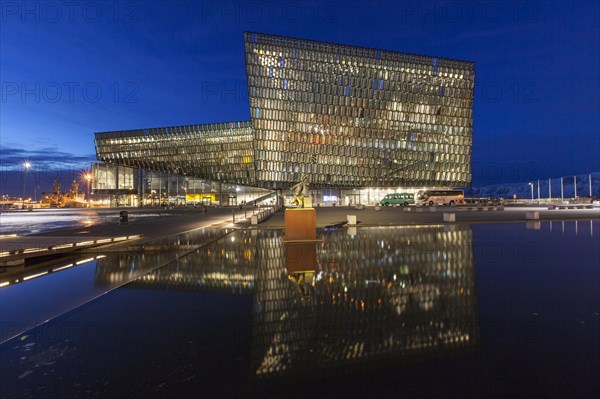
(220, 151)
(356, 117)
(346, 116)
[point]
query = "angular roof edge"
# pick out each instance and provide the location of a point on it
(203, 126)
(356, 47)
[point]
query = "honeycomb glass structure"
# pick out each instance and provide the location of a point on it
(345, 116)
(355, 117)
(219, 151)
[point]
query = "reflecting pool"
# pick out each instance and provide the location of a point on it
(38, 294)
(462, 310)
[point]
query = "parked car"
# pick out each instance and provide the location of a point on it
(402, 199)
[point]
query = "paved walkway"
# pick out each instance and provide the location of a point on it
(134, 232)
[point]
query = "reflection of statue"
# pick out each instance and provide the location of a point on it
(300, 191)
(303, 282)
(301, 263)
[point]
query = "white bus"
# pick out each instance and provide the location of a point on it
(440, 197)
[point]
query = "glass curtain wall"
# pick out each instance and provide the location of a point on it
(350, 116)
(221, 151)
(345, 116)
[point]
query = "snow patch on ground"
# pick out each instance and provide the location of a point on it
(553, 187)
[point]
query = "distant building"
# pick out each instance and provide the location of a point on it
(348, 117)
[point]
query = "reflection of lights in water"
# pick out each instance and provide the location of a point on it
(34, 276)
(56, 269)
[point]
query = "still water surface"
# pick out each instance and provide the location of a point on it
(471, 311)
(41, 294)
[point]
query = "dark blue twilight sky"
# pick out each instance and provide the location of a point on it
(69, 69)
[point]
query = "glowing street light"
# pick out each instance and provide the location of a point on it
(26, 166)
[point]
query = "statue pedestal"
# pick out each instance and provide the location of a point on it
(300, 224)
(300, 240)
(300, 243)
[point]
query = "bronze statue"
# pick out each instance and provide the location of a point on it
(300, 190)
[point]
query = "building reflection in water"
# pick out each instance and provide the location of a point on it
(226, 266)
(301, 263)
(378, 294)
(143, 264)
(121, 268)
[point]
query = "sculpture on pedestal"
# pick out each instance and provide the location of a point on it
(300, 190)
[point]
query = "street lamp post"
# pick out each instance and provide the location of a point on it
(531, 185)
(26, 166)
(88, 179)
